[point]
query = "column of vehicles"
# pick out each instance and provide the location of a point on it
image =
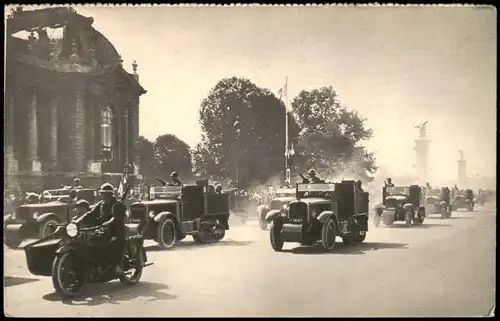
(76, 252)
(309, 214)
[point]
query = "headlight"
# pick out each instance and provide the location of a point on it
(72, 230)
(285, 206)
(35, 215)
(151, 214)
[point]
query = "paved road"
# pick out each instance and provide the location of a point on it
(443, 268)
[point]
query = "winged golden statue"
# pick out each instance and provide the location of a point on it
(422, 127)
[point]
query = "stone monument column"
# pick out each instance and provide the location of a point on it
(422, 150)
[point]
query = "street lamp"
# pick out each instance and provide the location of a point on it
(236, 126)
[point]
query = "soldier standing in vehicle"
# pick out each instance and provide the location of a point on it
(76, 183)
(359, 188)
(110, 213)
(175, 181)
(389, 183)
(313, 177)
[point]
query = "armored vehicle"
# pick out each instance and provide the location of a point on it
(173, 212)
(463, 199)
(240, 203)
(39, 220)
(321, 213)
(401, 203)
(280, 202)
(437, 201)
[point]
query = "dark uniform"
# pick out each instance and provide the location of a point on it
(389, 183)
(76, 183)
(111, 213)
(313, 178)
(359, 188)
(175, 181)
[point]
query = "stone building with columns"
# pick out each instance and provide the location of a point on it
(71, 109)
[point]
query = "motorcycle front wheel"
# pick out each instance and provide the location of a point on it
(66, 278)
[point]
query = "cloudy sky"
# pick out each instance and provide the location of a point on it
(396, 66)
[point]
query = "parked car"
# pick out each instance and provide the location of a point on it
(401, 203)
(280, 201)
(173, 212)
(319, 214)
(33, 221)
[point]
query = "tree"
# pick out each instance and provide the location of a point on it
(257, 152)
(330, 137)
(146, 158)
(172, 154)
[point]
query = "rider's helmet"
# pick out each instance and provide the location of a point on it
(174, 175)
(76, 180)
(312, 172)
(84, 204)
(106, 188)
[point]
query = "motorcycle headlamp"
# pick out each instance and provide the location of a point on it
(72, 230)
(35, 215)
(285, 206)
(151, 214)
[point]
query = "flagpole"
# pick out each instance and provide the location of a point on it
(286, 128)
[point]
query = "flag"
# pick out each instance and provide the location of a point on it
(123, 183)
(282, 91)
(290, 151)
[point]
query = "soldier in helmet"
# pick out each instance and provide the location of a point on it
(76, 183)
(389, 183)
(313, 177)
(110, 213)
(175, 181)
(81, 207)
(359, 188)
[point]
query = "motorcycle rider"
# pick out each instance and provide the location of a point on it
(110, 213)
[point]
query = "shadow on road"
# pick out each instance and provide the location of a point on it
(114, 292)
(421, 226)
(14, 280)
(192, 245)
(341, 248)
(451, 218)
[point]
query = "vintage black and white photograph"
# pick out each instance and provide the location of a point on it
(250, 160)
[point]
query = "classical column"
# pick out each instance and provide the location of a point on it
(33, 136)
(126, 134)
(135, 125)
(11, 165)
(54, 104)
(79, 144)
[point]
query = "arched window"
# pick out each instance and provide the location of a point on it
(107, 134)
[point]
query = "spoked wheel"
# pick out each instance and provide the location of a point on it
(47, 227)
(133, 263)
(67, 278)
(167, 234)
(328, 235)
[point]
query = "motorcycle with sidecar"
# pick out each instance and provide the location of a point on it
(75, 255)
